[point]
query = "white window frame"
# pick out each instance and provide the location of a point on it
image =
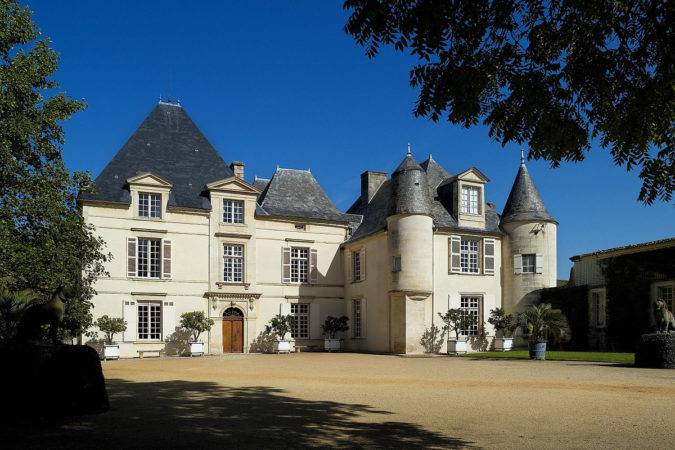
(301, 324)
(526, 267)
(670, 301)
(469, 256)
(356, 266)
(149, 321)
(472, 304)
(233, 211)
(144, 252)
(470, 199)
(300, 265)
(150, 205)
(357, 318)
(233, 263)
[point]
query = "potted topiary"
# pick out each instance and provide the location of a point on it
(504, 325)
(110, 326)
(196, 323)
(331, 327)
(541, 323)
(281, 325)
(456, 320)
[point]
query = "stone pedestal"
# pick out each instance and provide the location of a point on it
(656, 350)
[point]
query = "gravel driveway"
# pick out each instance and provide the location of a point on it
(356, 400)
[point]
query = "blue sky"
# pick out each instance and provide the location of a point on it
(279, 82)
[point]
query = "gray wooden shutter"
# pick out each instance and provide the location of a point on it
(517, 263)
(350, 266)
(166, 256)
(540, 263)
(285, 264)
(489, 256)
(363, 264)
(130, 315)
(455, 251)
(313, 270)
(131, 257)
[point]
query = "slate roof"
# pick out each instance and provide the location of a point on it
(524, 202)
(383, 203)
(168, 144)
(410, 188)
(296, 194)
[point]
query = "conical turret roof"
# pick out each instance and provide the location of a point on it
(410, 188)
(524, 202)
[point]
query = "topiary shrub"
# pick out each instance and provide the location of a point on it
(656, 350)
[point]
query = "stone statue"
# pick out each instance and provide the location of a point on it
(664, 318)
(39, 314)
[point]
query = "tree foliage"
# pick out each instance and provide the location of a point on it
(334, 325)
(457, 320)
(280, 325)
(44, 240)
(554, 74)
(542, 323)
(110, 326)
(196, 322)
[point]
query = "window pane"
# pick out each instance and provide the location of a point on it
(301, 326)
(233, 263)
(356, 317)
(356, 266)
(469, 199)
(149, 257)
(149, 205)
(469, 256)
(233, 211)
(470, 306)
(529, 262)
(299, 264)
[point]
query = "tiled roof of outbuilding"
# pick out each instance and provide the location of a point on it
(167, 144)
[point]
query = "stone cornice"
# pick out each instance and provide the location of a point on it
(232, 295)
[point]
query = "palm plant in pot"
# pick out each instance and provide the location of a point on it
(281, 326)
(504, 325)
(331, 327)
(196, 323)
(541, 323)
(110, 326)
(457, 320)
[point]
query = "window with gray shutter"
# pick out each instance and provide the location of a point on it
(166, 259)
(455, 243)
(489, 256)
(286, 265)
(131, 257)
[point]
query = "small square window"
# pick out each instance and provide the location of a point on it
(233, 211)
(396, 264)
(149, 205)
(529, 263)
(300, 226)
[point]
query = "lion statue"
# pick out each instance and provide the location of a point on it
(39, 314)
(664, 318)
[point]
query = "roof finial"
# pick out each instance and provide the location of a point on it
(430, 157)
(409, 149)
(522, 157)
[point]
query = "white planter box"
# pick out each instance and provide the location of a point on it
(284, 347)
(331, 345)
(457, 346)
(196, 349)
(503, 344)
(111, 351)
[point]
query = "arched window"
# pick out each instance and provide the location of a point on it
(229, 312)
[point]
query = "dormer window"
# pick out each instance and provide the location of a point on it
(469, 203)
(233, 211)
(150, 205)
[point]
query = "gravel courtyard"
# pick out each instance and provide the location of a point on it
(354, 400)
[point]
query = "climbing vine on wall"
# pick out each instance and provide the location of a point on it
(572, 301)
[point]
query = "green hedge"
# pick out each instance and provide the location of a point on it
(573, 302)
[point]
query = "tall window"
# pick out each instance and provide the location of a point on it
(469, 256)
(469, 201)
(301, 325)
(356, 266)
(471, 306)
(233, 211)
(597, 310)
(149, 321)
(665, 293)
(233, 263)
(149, 257)
(299, 264)
(356, 317)
(529, 263)
(149, 205)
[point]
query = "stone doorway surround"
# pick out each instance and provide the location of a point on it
(218, 302)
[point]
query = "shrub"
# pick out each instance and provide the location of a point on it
(110, 326)
(456, 320)
(196, 322)
(504, 324)
(334, 325)
(656, 350)
(542, 323)
(280, 325)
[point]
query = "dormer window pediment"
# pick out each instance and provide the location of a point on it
(232, 185)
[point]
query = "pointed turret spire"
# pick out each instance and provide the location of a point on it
(524, 202)
(410, 188)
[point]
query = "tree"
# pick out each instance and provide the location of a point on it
(554, 74)
(457, 320)
(542, 322)
(110, 326)
(44, 241)
(334, 325)
(280, 325)
(196, 322)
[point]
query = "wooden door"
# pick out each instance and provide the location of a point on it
(233, 334)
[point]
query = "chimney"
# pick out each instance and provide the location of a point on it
(238, 169)
(370, 183)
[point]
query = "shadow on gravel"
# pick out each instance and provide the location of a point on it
(203, 414)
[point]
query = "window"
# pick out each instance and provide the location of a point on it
(597, 310)
(299, 264)
(665, 293)
(233, 211)
(149, 258)
(301, 324)
(149, 205)
(470, 198)
(471, 306)
(469, 256)
(233, 263)
(356, 266)
(529, 263)
(300, 226)
(356, 318)
(149, 321)
(396, 264)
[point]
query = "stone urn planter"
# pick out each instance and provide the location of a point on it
(332, 345)
(283, 346)
(457, 346)
(111, 351)
(196, 348)
(503, 344)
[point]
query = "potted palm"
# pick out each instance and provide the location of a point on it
(331, 327)
(281, 325)
(196, 323)
(456, 320)
(504, 325)
(541, 323)
(110, 326)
